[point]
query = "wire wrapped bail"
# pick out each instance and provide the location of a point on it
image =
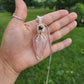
(40, 18)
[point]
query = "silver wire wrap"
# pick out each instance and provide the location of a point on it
(17, 17)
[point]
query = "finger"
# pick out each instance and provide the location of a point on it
(49, 18)
(21, 9)
(59, 46)
(62, 22)
(62, 32)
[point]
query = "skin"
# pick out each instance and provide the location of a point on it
(16, 51)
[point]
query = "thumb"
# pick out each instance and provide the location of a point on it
(21, 9)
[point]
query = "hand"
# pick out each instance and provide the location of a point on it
(17, 48)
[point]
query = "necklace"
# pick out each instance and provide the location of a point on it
(40, 42)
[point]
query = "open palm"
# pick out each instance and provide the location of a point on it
(17, 46)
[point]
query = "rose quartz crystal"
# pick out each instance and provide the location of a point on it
(39, 43)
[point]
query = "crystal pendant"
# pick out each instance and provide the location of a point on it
(39, 43)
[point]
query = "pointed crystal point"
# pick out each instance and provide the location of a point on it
(39, 43)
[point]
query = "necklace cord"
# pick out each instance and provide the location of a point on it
(50, 54)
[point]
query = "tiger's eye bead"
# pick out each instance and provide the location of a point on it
(40, 27)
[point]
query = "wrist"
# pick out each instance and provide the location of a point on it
(7, 73)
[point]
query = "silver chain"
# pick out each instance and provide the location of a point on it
(50, 54)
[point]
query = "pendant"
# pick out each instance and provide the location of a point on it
(39, 43)
(40, 40)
